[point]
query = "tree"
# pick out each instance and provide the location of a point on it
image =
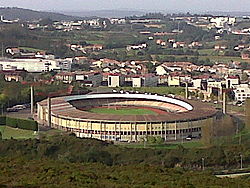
(151, 139)
(46, 21)
(159, 140)
(150, 66)
(207, 132)
(244, 77)
(247, 113)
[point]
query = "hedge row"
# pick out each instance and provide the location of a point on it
(2, 120)
(19, 123)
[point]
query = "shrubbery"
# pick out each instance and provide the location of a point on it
(2, 120)
(19, 123)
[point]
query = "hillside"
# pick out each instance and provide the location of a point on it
(105, 13)
(30, 15)
(67, 161)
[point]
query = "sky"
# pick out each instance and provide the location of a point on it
(161, 5)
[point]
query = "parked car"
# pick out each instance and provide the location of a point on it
(189, 137)
(19, 107)
(12, 110)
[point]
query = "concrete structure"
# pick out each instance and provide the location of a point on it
(13, 75)
(160, 70)
(241, 92)
(231, 81)
(197, 83)
(221, 22)
(177, 119)
(35, 65)
(115, 80)
(31, 100)
(66, 77)
(92, 79)
(174, 81)
(149, 80)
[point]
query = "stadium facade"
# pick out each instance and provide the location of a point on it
(179, 119)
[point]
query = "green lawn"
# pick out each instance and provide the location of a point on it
(30, 49)
(206, 51)
(8, 132)
(129, 111)
(225, 59)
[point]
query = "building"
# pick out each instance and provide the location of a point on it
(174, 81)
(115, 80)
(241, 92)
(177, 120)
(92, 79)
(148, 80)
(221, 22)
(160, 70)
(245, 56)
(231, 81)
(65, 77)
(36, 65)
(13, 75)
(137, 47)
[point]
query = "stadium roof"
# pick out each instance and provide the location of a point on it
(196, 111)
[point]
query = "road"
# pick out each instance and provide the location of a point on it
(23, 114)
(236, 175)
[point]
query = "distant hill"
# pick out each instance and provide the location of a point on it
(30, 15)
(105, 13)
(222, 13)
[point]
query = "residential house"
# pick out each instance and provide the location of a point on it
(115, 80)
(147, 80)
(91, 79)
(65, 77)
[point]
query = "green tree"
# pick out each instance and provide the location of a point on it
(244, 77)
(207, 132)
(247, 114)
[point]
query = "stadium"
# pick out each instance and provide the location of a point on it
(125, 116)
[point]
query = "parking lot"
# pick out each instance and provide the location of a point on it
(23, 114)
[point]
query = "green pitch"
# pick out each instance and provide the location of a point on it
(123, 111)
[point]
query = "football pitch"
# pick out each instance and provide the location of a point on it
(122, 111)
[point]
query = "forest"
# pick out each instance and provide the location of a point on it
(66, 160)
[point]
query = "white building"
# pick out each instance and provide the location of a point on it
(241, 92)
(148, 80)
(197, 83)
(160, 70)
(92, 79)
(115, 80)
(220, 22)
(36, 65)
(231, 81)
(174, 81)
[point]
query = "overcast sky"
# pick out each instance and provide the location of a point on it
(169, 5)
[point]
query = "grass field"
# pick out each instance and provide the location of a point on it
(30, 49)
(225, 59)
(8, 132)
(128, 111)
